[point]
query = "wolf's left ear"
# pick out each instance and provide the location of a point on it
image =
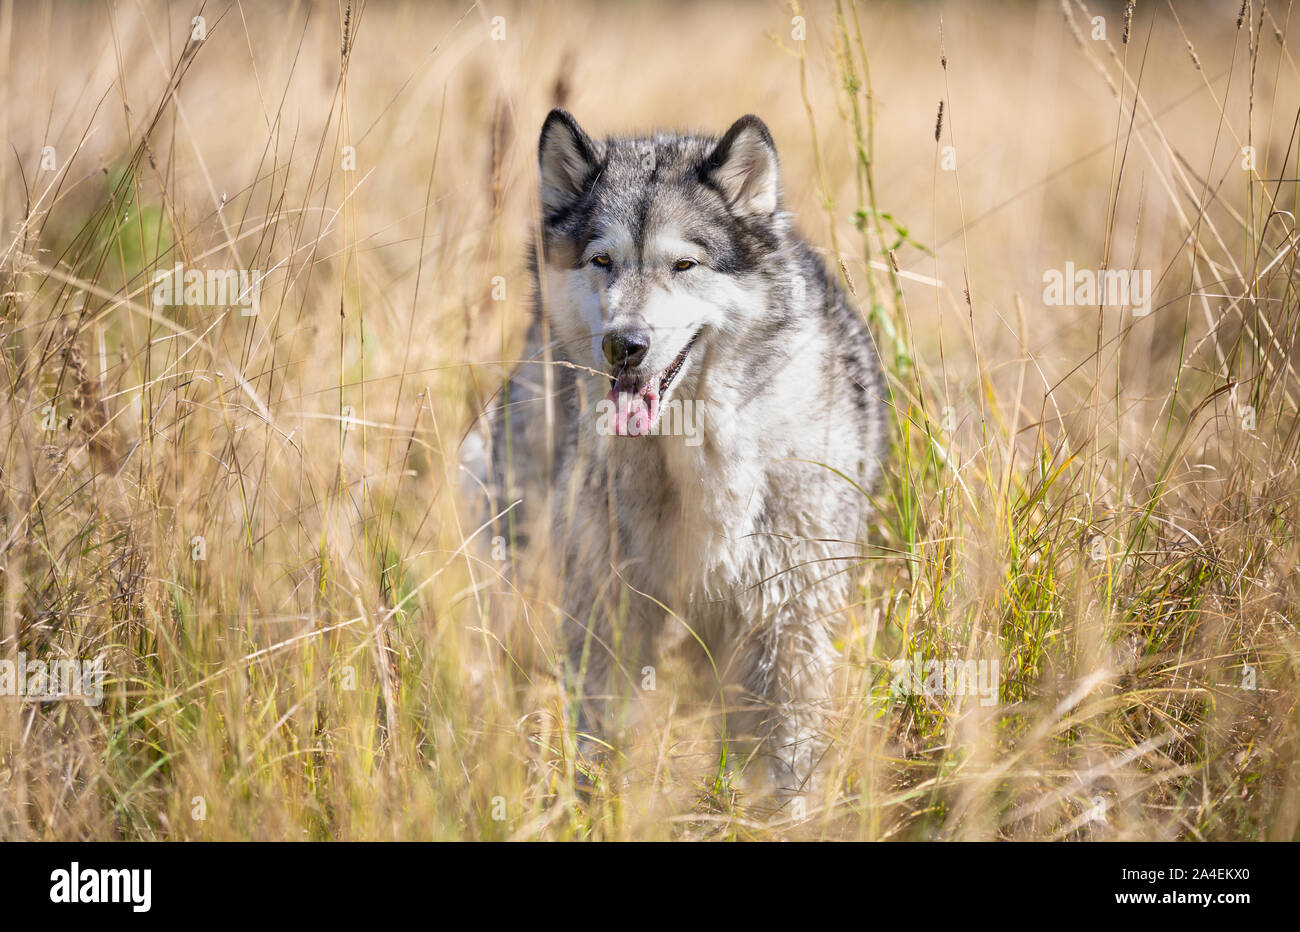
(743, 167)
(567, 158)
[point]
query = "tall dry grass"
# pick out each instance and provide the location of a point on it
(256, 520)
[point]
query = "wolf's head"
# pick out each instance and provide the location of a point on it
(657, 253)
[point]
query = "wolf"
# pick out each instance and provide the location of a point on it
(697, 433)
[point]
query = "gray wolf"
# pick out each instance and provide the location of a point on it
(697, 432)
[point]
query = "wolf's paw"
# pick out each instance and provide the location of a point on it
(590, 766)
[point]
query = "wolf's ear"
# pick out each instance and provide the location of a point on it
(743, 167)
(567, 156)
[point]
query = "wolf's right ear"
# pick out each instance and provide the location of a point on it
(567, 158)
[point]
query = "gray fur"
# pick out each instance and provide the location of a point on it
(744, 534)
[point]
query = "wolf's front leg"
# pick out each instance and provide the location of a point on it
(605, 648)
(589, 664)
(786, 666)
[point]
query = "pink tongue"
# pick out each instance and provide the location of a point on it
(635, 409)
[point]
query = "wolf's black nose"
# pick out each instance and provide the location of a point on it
(626, 348)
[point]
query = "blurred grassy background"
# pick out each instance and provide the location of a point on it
(348, 661)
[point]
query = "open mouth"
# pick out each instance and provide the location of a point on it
(636, 399)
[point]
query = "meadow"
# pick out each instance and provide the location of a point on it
(240, 490)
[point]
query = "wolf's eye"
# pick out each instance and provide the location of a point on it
(681, 265)
(601, 260)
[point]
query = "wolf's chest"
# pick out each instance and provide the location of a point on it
(687, 522)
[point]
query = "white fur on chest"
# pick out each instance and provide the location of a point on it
(686, 513)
